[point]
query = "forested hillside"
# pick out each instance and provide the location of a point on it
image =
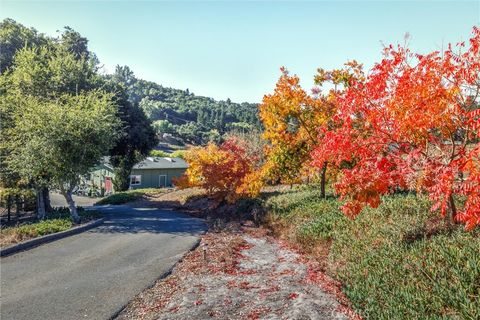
(187, 117)
(180, 113)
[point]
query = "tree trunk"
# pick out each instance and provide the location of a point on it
(453, 210)
(71, 206)
(46, 200)
(40, 205)
(323, 180)
(9, 207)
(18, 205)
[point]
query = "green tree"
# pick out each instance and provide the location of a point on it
(124, 75)
(54, 142)
(13, 37)
(163, 126)
(213, 136)
(74, 43)
(46, 73)
(135, 143)
(8, 177)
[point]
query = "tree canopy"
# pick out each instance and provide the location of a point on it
(55, 81)
(54, 142)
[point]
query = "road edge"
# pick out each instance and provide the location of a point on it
(29, 244)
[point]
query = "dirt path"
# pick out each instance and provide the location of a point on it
(241, 276)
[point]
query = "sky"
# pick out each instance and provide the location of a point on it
(234, 49)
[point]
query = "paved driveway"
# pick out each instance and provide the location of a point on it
(57, 200)
(93, 274)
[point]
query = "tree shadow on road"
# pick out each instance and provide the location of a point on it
(126, 219)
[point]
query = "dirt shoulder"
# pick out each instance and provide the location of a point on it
(241, 275)
(238, 273)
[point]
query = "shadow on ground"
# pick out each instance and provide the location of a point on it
(126, 219)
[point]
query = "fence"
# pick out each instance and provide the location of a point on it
(16, 207)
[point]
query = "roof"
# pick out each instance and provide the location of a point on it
(161, 163)
(104, 164)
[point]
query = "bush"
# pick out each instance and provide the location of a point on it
(129, 196)
(8, 196)
(159, 153)
(32, 230)
(178, 154)
(398, 261)
(225, 171)
(45, 227)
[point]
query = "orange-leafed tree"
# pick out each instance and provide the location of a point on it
(224, 171)
(413, 123)
(290, 118)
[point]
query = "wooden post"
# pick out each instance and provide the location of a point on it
(204, 251)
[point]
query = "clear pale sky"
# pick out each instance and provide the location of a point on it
(233, 49)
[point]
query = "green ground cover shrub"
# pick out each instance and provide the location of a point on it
(43, 227)
(159, 153)
(56, 221)
(129, 196)
(398, 261)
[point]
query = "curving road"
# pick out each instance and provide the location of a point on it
(92, 275)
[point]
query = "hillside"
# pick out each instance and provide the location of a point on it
(183, 116)
(180, 113)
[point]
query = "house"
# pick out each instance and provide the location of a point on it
(100, 178)
(156, 172)
(153, 172)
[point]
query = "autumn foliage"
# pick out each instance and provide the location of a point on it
(225, 171)
(290, 117)
(412, 123)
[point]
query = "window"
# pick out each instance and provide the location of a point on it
(135, 180)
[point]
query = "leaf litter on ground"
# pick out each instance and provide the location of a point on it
(242, 275)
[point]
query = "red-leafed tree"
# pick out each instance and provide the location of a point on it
(413, 123)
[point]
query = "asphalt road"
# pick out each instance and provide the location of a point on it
(93, 274)
(57, 200)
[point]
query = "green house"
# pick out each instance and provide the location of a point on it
(156, 172)
(101, 177)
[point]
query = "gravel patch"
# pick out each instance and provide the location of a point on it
(241, 276)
